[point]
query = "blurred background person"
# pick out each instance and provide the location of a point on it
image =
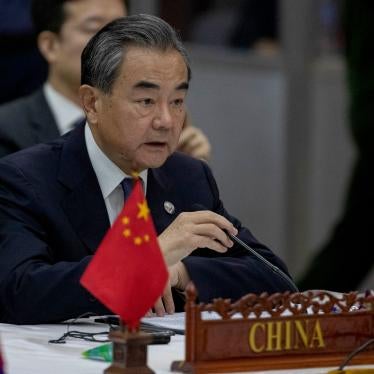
(348, 255)
(244, 24)
(63, 29)
(193, 141)
(256, 26)
(54, 109)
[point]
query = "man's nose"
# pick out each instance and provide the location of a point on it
(163, 118)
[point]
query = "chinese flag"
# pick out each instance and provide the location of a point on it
(128, 272)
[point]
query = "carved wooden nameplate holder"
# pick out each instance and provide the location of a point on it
(280, 331)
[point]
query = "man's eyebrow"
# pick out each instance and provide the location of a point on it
(183, 86)
(147, 84)
(94, 19)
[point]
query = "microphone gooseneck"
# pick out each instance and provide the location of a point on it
(274, 268)
(262, 259)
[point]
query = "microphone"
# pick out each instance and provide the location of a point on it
(274, 268)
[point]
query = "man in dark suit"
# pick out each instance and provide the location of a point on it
(54, 109)
(62, 33)
(57, 200)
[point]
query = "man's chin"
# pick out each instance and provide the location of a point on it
(150, 163)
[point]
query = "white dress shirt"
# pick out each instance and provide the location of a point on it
(109, 176)
(65, 112)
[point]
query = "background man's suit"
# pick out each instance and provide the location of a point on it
(25, 122)
(53, 217)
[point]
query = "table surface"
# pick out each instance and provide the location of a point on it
(26, 351)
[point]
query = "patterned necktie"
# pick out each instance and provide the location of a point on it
(127, 185)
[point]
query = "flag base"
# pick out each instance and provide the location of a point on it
(129, 352)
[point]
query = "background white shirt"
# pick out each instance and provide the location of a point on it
(65, 112)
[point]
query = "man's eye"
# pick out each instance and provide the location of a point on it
(146, 102)
(178, 102)
(91, 29)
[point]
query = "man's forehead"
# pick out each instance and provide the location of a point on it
(89, 12)
(142, 65)
(133, 52)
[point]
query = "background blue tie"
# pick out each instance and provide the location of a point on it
(127, 185)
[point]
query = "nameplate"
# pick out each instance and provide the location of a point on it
(278, 331)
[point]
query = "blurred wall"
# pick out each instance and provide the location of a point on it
(240, 105)
(240, 102)
(332, 149)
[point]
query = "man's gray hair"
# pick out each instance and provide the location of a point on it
(104, 53)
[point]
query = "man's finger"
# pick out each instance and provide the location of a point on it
(159, 308)
(207, 216)
(214, 232)
(168, 300)
(149, 313)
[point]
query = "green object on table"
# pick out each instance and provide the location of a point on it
(101, 353)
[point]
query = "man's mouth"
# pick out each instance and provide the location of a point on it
(156, 144)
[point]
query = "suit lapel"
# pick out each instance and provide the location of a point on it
(161, 189)
(84, 204)
(43, 122)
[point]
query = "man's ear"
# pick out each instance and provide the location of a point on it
(48, 45)
(89, 98)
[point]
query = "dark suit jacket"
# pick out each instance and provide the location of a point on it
(26, 122)
(53, 217)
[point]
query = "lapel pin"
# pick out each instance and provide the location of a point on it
(169, 207)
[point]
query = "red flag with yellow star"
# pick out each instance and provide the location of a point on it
(128, 272)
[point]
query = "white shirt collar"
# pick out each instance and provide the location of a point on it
(107, 172)
(65, 112)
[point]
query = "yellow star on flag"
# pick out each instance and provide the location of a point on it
(127, 233)
(125, 220)
(138, 240)
(143, 210)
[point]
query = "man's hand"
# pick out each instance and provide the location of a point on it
(178, 278)
(189, 231)
(192, 230)
(165, 303)
(194, 142)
